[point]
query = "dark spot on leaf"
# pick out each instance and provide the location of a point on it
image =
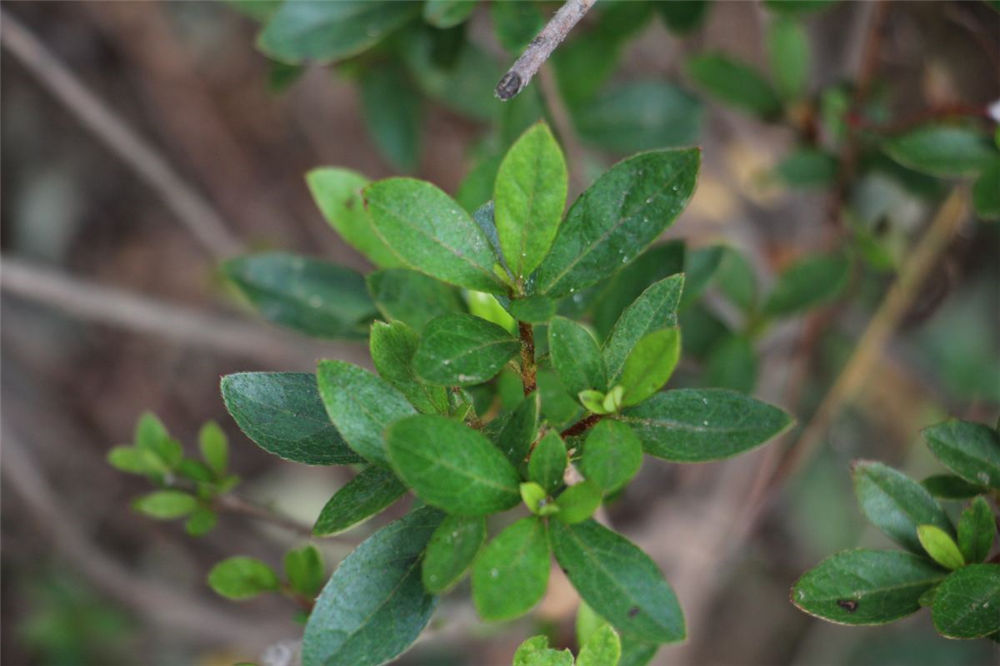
(632, 612)
(349, 204)
(848, 605)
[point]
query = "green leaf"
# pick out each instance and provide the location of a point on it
(515, 23)
(970, 450)
(576, 356)
(650, 364)
(965, 605)
(195, 470)
(529, 197)
(304, 570)
(393, 347)
(519, 432)
(949, 486)
(451, 466)
(135, 460)
(448, 13)
(736, 278)
(451, 550)
(201, 521)
(325, 31)
(411, 297)
(637, 653)
(282, 413)
(896, 504)
(536, 499)
(152, 435)
(485, 306)
(361, 406)
(241, 577)
(683, 16)
(259, 10)
(463, 350)
(617, 218)
(788, 54)
(166, 504)
(653, 310)
(310, 296)
(986, 192)
(578, 502)
(866, 586)
(214, 446)
(735, 83)
(557, 406)
(603, 648)
(337, 193)
(534, 309)
(941, 150)
(618, 581)
(594, 401)
(696, 425)
(976, 531)
(429, 231)
(393, 112)
(700, 267)
(535, 651)
(639, 115)
(940, 546)
(628, 284)
(796, 7)
(374, 488)
(612, 455)
(374, 606)
(512, 572)
(732, 364)
(548, 462)
(811, 281)
(808, 168)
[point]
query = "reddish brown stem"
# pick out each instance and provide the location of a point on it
(582, 425)
(528, 369)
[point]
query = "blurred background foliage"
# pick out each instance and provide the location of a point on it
(803, 159)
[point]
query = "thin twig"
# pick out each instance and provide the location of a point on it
(117, 307)
(237, 505)
(541, 47)
(581, 426)
(528, 369)
(191, 208)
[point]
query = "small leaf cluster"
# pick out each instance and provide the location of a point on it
(946, 567)
(240, 578)
(491, 393)
(187, 486)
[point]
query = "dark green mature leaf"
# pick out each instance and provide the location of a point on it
(942, 150)
(970, 450)
(812, 281)
(625, 286)
(166, 504)
(337, 193)
(576, 356)
(463, 350)
(451, 466)
(534, 309)
(447, 13)
(617, 218)
(393, 347)
(940, 546)
(282, 413)
(966, 602)
(361, 406)
(578, 502)
(303, 30)
(372, 490)
(451, 550)
(529, 196)
(976, 531)
(240, 578)
(374, 606)
(512, 572)
(735, 83)
(986, 192)
(654, 309)
(807, 168)
(639, 115)
(411, 297)
(312, 297)
(650, 364)
(866, 586)
(696, 425)
(788, 55)
(700, 266)
(949, 486)
(896, 504)
(393, 112)
(557, 406)
(636, 652)
(612, 455)
(518, 433)
(618, 581)
(682, 16)
(429, 231)
(548, 462)
(304, 570)
(732, 364)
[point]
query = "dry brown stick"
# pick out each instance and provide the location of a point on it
(541, 47)
(237, 505)
(117, 307)
(190, 207)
